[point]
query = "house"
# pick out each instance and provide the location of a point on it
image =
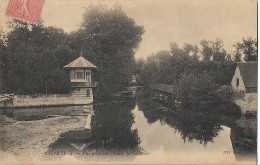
(163, 93)
(245, 77)
(81, 77)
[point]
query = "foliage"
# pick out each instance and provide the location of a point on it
(32, 63)
(34, 55)
(157, 69)
(167, 66)
(213, 49)
(248, 47)
(109, 39)
(195, 88)
(224, 93)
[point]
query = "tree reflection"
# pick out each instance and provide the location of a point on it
(200, 127)
(149, 107)
(111, 126)
(192, 123)
(110, 132)
(243, 137)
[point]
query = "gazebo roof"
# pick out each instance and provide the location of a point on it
(80, 62)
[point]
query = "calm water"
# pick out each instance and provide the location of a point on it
(138, 129)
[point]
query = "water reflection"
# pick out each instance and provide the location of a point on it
(107, 131)
(111, 126)
(142, 126)
(198, 125)
(244, 139)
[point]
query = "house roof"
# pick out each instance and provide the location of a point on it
(163, 87)
(248, 71)
(80, 62)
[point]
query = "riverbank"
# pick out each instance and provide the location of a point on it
(32, 138)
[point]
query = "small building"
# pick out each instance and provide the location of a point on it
(81, 77)
(163, 93)
(133, 80)
(245, 77)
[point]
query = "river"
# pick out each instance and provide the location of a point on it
(136, 129)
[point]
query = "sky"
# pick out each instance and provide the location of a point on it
(164, 21)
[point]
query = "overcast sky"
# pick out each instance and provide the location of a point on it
(165, 21)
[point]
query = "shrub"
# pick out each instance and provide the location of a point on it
(224, 93)
(196, 89)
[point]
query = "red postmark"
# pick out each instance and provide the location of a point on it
(28, 10)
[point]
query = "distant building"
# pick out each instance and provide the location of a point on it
(133, 79)
(163, 92)
(81, 77)
(245, 77)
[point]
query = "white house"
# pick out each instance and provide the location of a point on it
(245, 77)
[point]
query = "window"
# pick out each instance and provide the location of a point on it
(88, 93)
(79, 75)
(88, 77)
(237, 82)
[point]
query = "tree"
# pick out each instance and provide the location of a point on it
(139, 66)
(195, 88)
(249, 48)
(177, 52)
(158, 68)
(32, 64)
(195, 53)
(206, 50)
(214, 50)
(109, 39)
(219, 53)
(237, 53)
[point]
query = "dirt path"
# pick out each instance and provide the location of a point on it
(32, 138)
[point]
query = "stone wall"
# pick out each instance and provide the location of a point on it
(49, 101)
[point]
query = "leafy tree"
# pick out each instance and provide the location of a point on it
(249, 49)
(158, 68)
(35, 55)
(188, 48)
(214, 50)
(139, 66)
(184, 59)
(219, 53)
(109, 39)
(196, 88)
(195, 55)
(206, 50)
(32, 64)
(177, 52)
(237, 53)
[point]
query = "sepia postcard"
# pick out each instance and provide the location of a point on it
(128, 82)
